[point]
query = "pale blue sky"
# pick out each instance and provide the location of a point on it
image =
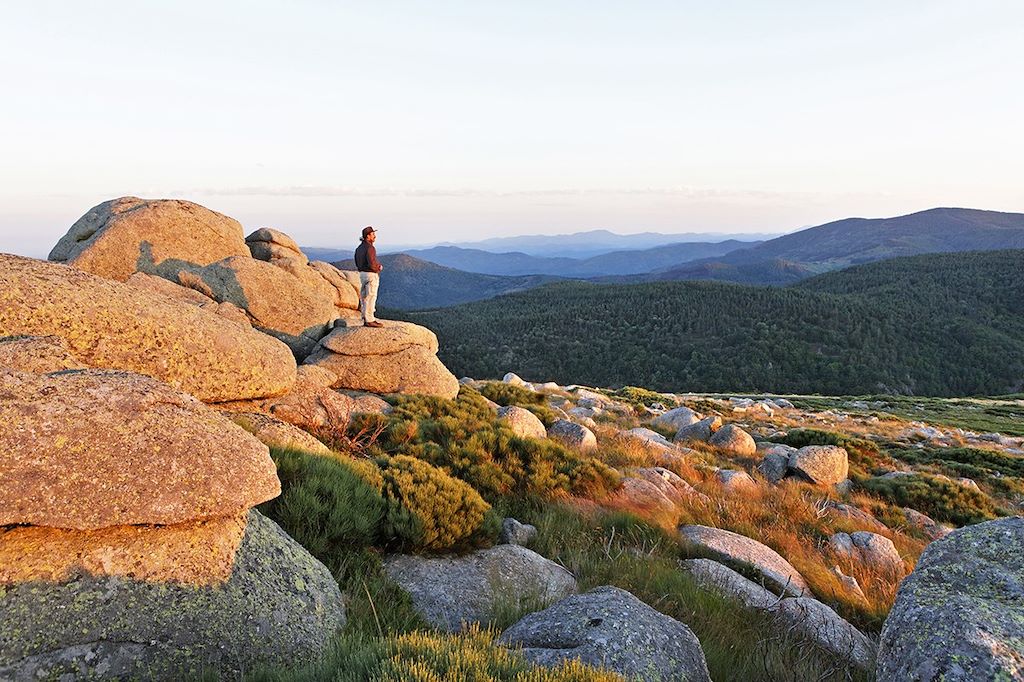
(462, 120)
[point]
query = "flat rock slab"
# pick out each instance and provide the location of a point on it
(453, 592)
(805, 616)
(112, 325)
(280, 607)
(190, 553)
(610, 628)
(275, 433)
(127, 235)
(392, 338)
(89, 449)
(960, 615)
(728, 546)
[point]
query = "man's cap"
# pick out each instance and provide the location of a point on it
(367, 230)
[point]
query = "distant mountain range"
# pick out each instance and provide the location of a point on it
(463, 274)
(936, 324)
(412, 283)
(625, 262)
(852, 241)
(596, 242)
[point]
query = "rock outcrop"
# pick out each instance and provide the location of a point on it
(610, 628)
(959, 616)
(311, 404)
(805, 616)
(452, 592)
(128, 547)
(398, 358)
(120, 237)
(727, 546)
(107, 324)
(277, 302)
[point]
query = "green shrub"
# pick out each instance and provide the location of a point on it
(508, 394)
(464, 437)
(325, 503)
(642, 396)
(427, 508)
(938, 498)
(973, 462)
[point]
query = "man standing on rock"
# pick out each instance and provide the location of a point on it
(369, 276)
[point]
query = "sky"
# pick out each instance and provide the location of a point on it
(457, 121)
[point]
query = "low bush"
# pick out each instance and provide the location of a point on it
(326, 503)
(973, 462)
(938, 498)
(427, 508)
(508, 394)
(464, 438)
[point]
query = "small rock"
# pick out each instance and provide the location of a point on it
(871, 549)
(572, 435)
(515, 533)
(733, 440)
(734, 481)
(700, 431)
(522, 422)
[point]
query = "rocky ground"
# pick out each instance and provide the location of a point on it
(209, 467)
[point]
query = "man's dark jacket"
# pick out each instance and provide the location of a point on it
(366, 258)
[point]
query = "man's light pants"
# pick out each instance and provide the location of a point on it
(368, 295)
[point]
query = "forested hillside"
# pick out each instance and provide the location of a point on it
(925, 325)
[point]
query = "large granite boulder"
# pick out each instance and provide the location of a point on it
(821, 464)
(804, 617)
(733, 440)
(452, 592)
(726, 546)
(94, 448)
(269, 245)
(522, 422)
(960, 615)
(278, 607)
(610, 628)
(277, 302)
(398, 358)
(108, 324)
(127, 235)
(345, 284)
(39, 354)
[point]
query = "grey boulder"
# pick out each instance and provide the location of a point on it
(821, 464)
(610, 628)
(724, 545)
(452, 592)
(960, 615)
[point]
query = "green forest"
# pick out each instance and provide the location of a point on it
(941, 324)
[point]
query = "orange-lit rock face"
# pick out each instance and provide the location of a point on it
(127, 235)
(37, 354)
(113, 325)
(97, 448)
(191, 553)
